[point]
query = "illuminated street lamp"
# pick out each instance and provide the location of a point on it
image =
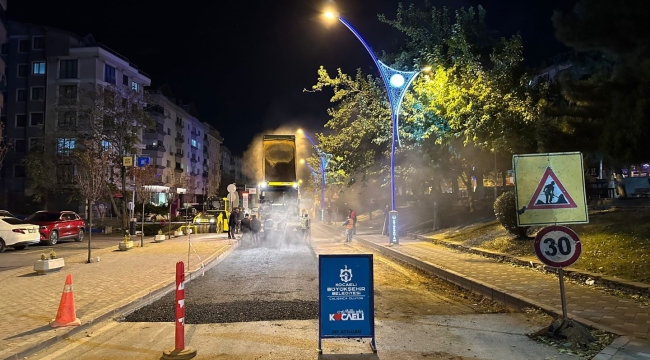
(324, 160)
(396, 83)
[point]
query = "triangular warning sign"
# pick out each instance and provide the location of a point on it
(550, 194)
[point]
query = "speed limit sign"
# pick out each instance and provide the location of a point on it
(557, 246)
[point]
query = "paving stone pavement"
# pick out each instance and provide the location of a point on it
(608, 312)
(28, 301)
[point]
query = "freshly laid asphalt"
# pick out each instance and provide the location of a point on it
(103, 289)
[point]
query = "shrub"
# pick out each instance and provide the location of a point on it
(153, 229)
(505, 209)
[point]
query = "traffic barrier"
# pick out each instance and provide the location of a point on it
(180, 352)
(66, 315)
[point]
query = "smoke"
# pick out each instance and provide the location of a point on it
(253, 156)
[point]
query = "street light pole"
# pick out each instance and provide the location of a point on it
(396, 83)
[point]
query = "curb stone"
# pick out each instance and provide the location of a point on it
(495, 294)
(628, 287)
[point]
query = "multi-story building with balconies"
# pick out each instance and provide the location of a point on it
(176, 145)
(212, 172)
(44, 66)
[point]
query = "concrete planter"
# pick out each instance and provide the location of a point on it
(178, 233)
(159, 238)
(125, 245)
(42, 267)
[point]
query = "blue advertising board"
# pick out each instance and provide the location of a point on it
(346, 297)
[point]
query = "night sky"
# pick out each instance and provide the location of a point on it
(244, 64)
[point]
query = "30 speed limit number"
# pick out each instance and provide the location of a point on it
(557, 246)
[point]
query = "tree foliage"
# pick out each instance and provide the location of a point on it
(608, 79)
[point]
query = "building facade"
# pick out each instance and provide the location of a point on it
(46, 66)
(214, 141)
(178, 146)
(3, 76)
(4, 145)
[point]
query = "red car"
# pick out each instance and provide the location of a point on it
(58, 225)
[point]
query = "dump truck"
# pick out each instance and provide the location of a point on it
(279, 194)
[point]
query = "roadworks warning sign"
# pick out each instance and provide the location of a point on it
(550, 189)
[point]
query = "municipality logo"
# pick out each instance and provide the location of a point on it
(348, 314)
(346, 274)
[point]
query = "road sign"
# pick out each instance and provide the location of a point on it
(143, 161)
(346, 297)
(557, 246)
(127, 161)
(231, 188)
(550, 189)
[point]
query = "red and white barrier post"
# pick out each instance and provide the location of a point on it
(180, 351)
(180, 306)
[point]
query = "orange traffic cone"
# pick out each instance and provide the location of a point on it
(66, 316)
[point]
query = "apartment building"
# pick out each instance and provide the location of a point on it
(3, 77)
(225, 167)
(45, 65)
(178, 145)
(213, 163)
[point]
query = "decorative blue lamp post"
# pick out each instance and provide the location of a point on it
(324, 160)
(396, 83)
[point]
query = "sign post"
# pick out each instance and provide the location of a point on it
(558, 247)
(346, 298)
(179, 351)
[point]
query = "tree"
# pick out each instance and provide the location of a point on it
(471, 104)
(91, 160)
(41, 168)
(608, 81)
(145, 178)
(174, 181)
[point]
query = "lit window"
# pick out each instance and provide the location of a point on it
(193, 142)
(65, 146)
(39, 68)
(106, 145)
(135, 86)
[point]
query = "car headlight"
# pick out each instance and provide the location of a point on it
(212, 220)
(43, 227)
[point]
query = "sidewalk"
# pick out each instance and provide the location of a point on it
(520, 287)
(28, 302)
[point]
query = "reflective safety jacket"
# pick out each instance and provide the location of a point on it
(304, 223)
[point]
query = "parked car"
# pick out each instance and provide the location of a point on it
(17, 234)
(58, 225)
